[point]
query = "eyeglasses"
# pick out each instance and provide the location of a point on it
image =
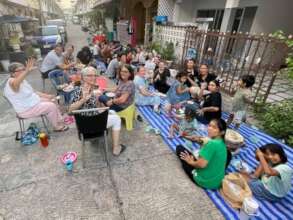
(19, 70)
(124, 71)
(91, 75)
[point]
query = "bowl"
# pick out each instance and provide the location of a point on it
(110, 94)
(68, 88)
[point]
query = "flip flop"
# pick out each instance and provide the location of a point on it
(65, 128)
(123, 148)
(69, 120)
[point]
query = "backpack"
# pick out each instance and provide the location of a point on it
(31, 135)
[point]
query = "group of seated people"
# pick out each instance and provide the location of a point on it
(194, 88)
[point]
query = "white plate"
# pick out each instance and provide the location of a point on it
(110, 94)
(161, 94)
(237, 164)
(68, 88)
(47, 46)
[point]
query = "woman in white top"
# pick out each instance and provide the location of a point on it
(29, 103)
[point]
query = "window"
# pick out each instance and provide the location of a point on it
(216, 14)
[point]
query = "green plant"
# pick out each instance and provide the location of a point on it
(156, 46)
(289, 41)
(277, 120)
(168, 51)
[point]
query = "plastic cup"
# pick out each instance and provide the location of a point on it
(44, 140)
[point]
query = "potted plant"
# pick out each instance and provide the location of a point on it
(168, 53)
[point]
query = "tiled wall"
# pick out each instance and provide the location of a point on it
(166, 8)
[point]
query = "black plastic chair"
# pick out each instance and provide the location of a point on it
(92, 126)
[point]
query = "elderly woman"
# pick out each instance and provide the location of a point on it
(84, 98)
(142, 95)
(29, 103)
(124, 93)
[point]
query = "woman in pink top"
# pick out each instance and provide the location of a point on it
(29, 103)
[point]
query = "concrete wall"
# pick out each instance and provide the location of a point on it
(187, 10)
(271, 15)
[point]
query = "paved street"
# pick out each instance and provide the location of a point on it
(145, 182)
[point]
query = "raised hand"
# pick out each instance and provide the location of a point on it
(30, 64)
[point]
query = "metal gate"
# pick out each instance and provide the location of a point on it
(231, 55)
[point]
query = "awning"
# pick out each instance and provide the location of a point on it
(101, 2)
(15, 19)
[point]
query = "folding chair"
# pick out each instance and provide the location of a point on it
(92, 126)
(21, 120)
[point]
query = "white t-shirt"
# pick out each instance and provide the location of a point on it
(22, 100)
(51, 61)
(150, 65)
(279, 185)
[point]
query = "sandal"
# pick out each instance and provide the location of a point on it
(123, 147)
(64, 128)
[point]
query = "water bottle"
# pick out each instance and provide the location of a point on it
(69, 165)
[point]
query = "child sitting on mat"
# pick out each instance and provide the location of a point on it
(272, 178)
(187, 125)
(178, 91)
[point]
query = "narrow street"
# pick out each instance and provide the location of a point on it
(145, 182)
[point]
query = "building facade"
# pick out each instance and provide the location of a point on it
(31, 8)
(232, 15)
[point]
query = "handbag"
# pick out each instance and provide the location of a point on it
(31, 135)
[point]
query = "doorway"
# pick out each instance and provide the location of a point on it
(139, 14)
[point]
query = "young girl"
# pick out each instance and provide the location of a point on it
(187, 125)
(208, 170)
(178, 92)
(272, 178)
(212, 104)
(241, 98)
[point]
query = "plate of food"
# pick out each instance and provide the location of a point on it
(161, 94)
(110, 94)
(240, 165)
(68, 88)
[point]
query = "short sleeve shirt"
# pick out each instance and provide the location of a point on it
(51, 61)
(211, 176)
(239, 100)
(279, 185)
(192, 75)
(126, 87)
(91, 103)
(189, 126)
(112, 67)
(213, 100)
(207, 80)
